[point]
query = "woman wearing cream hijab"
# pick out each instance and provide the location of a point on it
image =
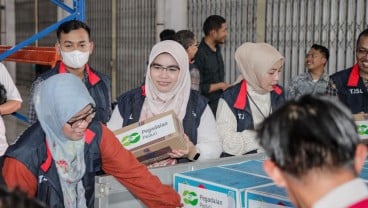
(167, 87)
(247, 103)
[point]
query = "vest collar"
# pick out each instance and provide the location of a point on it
(45, 166)
(143, 88)
(241, 100)
(93, 78)
(354, 76)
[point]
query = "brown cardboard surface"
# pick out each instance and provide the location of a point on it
(157, 150)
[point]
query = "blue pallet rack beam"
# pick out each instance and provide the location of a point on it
(77, 12)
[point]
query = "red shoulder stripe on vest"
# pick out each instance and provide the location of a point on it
(354, 76)
(92, 77)
(62, 68)
(241, 100)
(360, 204)
(47, 164)
(277, 89)
(143, 90)
(89, 135)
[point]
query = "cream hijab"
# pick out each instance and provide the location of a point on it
(58, 99)
(254, 60)
(177, 99)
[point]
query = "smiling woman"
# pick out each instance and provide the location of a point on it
(168, 87)
(56, 159)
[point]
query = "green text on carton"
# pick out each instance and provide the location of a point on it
(147, 132)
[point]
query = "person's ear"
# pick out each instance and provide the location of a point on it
(274, 172)
(57, 48)
(91, 46)
(360, 157)
(324, 61)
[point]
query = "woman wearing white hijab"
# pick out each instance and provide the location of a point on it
(167, 87)
(246, 104)
(56, 159)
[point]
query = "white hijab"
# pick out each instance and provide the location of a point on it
(157, 102)
(58, 99)
(254, 60)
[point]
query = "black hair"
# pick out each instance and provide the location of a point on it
(185, 38)
(310, 133)
(213, 22)
(364, 33)
(323, 50)
(68, 26)
(167, 34)
(19, 199)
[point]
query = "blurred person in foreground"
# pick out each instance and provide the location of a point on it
(315, 153)
(57, 158)
(18, 199)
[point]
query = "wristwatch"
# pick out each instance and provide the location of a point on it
(194, 155)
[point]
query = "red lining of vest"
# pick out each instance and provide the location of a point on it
(241, 99)
(360, 204)
(45, 166)
(354, 76)
(277, 89)
(143, 90)
(92, 77)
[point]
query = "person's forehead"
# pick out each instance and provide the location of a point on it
(314, 51)
(223, 26)
(83, 111)
(79, 35)
(363, 42)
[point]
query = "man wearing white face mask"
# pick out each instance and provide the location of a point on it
(74, 46)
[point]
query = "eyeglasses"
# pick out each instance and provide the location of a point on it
(159, 68)
(362, 52)
(87, 118)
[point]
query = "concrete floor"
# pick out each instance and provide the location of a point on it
(14, 126)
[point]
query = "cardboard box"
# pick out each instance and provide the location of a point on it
(361, 121)
(217, 187)
(268, 196)
(152, 139)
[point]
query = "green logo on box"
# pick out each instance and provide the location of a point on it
(130, 139)
(190, 197)
(362, 129)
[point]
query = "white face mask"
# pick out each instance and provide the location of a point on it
(75, 59)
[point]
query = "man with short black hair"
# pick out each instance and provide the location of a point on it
(315, 79)
(315, 153)
(74, 46)
(210, 62)
(350, 86)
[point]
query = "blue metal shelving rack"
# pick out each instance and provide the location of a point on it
(77, 12)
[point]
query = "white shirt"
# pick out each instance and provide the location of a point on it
(208, 139)
(345, 195)
(12, 93)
